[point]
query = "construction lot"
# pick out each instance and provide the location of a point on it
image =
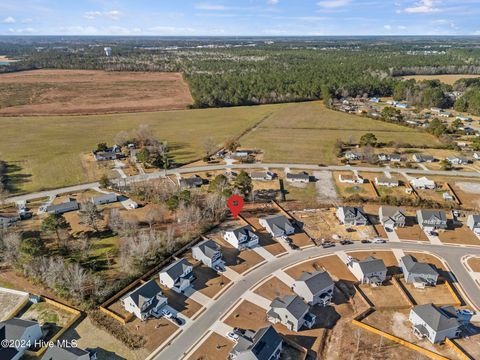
(214, 347)
(8, 303)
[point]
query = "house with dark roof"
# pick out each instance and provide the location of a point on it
(419, 158)
(209, 253)
(104, 199)
(66, 206)
(385, 181)
(263, 175)
(350, 215)
(177, 276)
(263, 344)
(8, 219)
(68, 353)
(302, 177)
(392, 217)
(473, 223)
(277, 225)
(241, 238)
(368, 271)
(291, 311)
(457, 160)
(395, 158)
(194, 181)
(434, 323)
(20, 333)
(430, 220)
(314, 287)
(145, 301)
(417, 273)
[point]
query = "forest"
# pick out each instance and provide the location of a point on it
(228, 72)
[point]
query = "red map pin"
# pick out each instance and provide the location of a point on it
(235, 204)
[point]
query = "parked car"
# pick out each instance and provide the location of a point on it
(178, 321)
(365, 241)
(328, 244)
(465, 312)
(379, 241)
(346, 242)
(233, 336)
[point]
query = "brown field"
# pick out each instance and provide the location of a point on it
(154, 331)
(438, 295)
(447, 79)
(459, 234)
(387, 296)
(474, 263)
(213, 347)
(248, 316)
(273, 288)
(62, 92)
(413, 232)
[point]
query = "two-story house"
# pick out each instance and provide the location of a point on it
(433, 323)
(263, 344)
(209, 253)
(177, 276)
(20, 333)
(350, 215)
(418, 273)
(314, 287)
(430, 220)
(241, 238)
(292, 312)
(145, 301)
(392, 217)
(368, 271)
(277, 225)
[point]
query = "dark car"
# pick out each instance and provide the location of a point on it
(328, 244)
(346, 242)
(365, 241)
(178, 321)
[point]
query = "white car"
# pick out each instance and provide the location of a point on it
(232, 336)
(378, 241)
(167, 314)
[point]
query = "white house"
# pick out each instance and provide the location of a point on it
(277, 225)
(384, 181)
(368, 271)
(262, 175)
(177, 276)
(423, 183)
(241, 238)
(473, 223)
(419, 158)
(20, 332)
(457, 160)
(476, 155)
(145, 301)
(434, 323)
(209, 253)
(351, 179)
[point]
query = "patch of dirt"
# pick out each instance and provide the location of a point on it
(325, 186)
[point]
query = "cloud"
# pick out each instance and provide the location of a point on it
(329, 4)
(401, 27)
(112, 14)
(9, 20)
(387, 27)
(212, 7)
(422, 7)
(22, 31)
(272, 2)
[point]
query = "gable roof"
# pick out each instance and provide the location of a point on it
(415, 267)
(316, 281)
(208, 247)
(435, 318)
(426, 215)
(476, 219)
(64, 353)
(145, 292)
(65, 206)
(15, 328)
(259, 345)
(292, 303)
(301, 176)
(176, 269)
(104, 198)
(371, 264)
(391, 211)
(246, 230)
(353, 212)
(278, 223)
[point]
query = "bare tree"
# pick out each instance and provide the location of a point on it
(9, 247)
(209, 146)
(156, 214)
(144, 136)
(121, 138)
(90, 215)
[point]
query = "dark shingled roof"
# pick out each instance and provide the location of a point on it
(145, 292)
(66, 353)
(371, 264)
(208, 247)
(176, 269)
(316, 281)
(435, 318)
(292, 303)
(258, 345)
(415, 267)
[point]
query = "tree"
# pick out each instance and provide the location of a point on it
(104, 181)
(445, 165)
(54, 223)
(231, 145)
(90, 215)
(391, 114)
(9, 247)
(475, 145)
(143, 156)
(368, 139)
(144, 136)
(219, 184)
(437, 128)
(326, 95)
(32, 247)
(209, 146)
(102, 147)
(243, 183)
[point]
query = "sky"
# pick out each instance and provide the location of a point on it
(239, 17)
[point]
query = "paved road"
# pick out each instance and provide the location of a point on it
(451, 254)
(193, 169)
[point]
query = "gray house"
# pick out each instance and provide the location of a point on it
(419, 158)
(417, 273)
(350, 215)
(314, 287)
(68, 353)
(473, 223)
(105, 199)
(191, 182)
(145, 301)
(20, 332)
(67, 206)
(8, 219)
(430, 220)
(262, 175)
(434, 323)
(177, 276)
(277, 225)
(292, 312)
(368, 271)
(392, 217)
(264, 344)
(302, 177)
(209, 253)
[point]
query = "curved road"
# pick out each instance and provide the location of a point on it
(451, 254)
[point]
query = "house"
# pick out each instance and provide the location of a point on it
(384, 181)
(476, 155)
(263, 344)
(242, 153)
(66, 206)
(436, 110)
(423, 183)
(456, 160)
(263, 175)
(375, 100)
(445, 114)
(145, 301)
(112, 153)
(8, 219)
(464, 118)
(105, 199)
(383, 157)
(430, 220)
(177, 276)
(401, 105)
(350, 215)
(20, 332)
(277, 225)
(314, 287)
(242, 237)
(68, 353)
(434, 323)
(292, 312)
(473, 223)
(194, 181)
(447, 196)
(368, 271)
(351, 179)
(209, 253)
(302, 177)
(350, 155)
(417, 273)
(395, 158)
(420, 158)
(392, 217)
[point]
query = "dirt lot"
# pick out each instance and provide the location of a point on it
(155, 331)
(273, 288)
(474, 263)
(459, 234)
(208, 281)
(467, 192)
(471, 345)
(439, 294)
(248, 316)
(411, 232)
(447, 79)
(46, 313)
(386, 296)
(184, 305)
(214, 347)
(62, 92)
(335, 267)
(8, 302)
(346, 190)
(387, 256)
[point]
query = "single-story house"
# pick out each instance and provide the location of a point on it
(351, 179)
(191, 182)
(350, 215)
(8, 219)
(177, 276)
(20, 332)
(473, 223)
(302, 177)
(436, 110)
(392, 217)
(241, 238)
(445, 114)
(384, 181)
(368, 271)
(277, 225)
(464, 118)
(209, 253)
(314, 287)
(292, 312)
(430, 220)
(351, 155)
(263, 175)
(263, 344)
(68, 353)
(105, 155)
(105, 199)
(375, 100)
(434, 323)
(67, 206)
(419, 158)
(383, 157)
(417, 273)
(242, 153)
(395, 158)
(145, 301)
(423, 183)
(401, 105)
(457, 160)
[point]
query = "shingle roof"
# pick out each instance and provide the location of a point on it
(278, 223)
(259, 346)
(316, 281)
(301, 175)
(145, 292)
(415, 267)
(104, 198)
(65, 206)
(14, 328)
(371, 264)
(435, 318)
(176, 269)
(64, 353)
(429, 214)
(208, 247)
(244, 230)
(292, 303)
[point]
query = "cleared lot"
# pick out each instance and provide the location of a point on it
(8, 302)
(214, 347)
(273, 288)
(439, 294)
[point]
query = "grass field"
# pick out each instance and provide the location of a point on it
(307, 132)
(447, 79)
